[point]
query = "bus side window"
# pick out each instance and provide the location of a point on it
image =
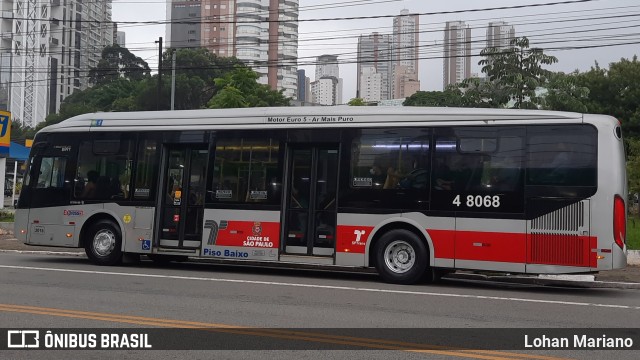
(104, 168)
(562, 156)
(51, 174)
(479, 159)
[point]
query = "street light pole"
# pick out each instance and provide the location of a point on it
(159, 42)
(173, 79)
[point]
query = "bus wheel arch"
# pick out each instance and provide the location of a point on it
(401, 254)
(101, 237)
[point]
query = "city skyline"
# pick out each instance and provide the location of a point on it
(227, 28)
(560, 29)
(341, 36)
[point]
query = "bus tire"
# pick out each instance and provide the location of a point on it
(401, 257)
(103, 243)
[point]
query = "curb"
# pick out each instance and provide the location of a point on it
(532, 280)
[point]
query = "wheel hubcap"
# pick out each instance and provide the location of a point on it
(399, 256)
(103, 242)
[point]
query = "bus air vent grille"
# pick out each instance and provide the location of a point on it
(558, 249)
(560, 237)
(569, 219)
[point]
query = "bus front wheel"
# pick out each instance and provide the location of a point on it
(401, 257)
(103, 243)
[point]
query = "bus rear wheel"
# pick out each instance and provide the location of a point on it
(401, 257)
(103, 243)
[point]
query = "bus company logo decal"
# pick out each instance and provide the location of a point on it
(352, 239)
(358, 240)
(256, 229)
(73, 212)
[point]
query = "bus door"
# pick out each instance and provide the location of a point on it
(310, 223)
(182, 200)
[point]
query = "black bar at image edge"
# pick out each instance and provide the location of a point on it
(318, 339)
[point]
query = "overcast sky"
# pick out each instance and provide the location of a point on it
(591, 23)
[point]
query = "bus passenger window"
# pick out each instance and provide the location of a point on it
(562, 155)
(104, 169)
(384, 159)
(245, 171)
(51, 174)
(478, 159)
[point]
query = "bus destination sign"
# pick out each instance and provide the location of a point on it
(308, 119)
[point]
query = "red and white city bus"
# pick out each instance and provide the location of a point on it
(409, 191)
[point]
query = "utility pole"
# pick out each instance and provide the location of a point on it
(173, 79)
(159, 42)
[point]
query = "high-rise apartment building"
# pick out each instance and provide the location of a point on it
(374, 61)
(121, 38)
(261, 33)
(49, 48)
(405, 83)
(370, 83)
(184, 29)
(500, 34)
(406, 51)
(327, 88)
(327, 66)
(6, 36)
(304, 86)
(457, 52)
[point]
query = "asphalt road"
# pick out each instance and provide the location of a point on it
(44, 291)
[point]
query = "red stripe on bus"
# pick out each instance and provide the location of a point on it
(490, 246)
(443, 243)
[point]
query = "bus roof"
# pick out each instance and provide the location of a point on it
(293, 117)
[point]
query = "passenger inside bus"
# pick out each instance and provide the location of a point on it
(443, 177)
(90, 187)
(377, 177)
(393, 178)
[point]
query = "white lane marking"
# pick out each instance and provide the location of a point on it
(42, 252)
(331, 287)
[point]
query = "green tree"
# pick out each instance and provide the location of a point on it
(19, 133)
(229, 97)
(633, 164)
(565, 93)
(195, 71)
(357, 102)
(117, 62)
(616, 92)
(480, 93)
(240, 88)
(452, 96)
(119, 95)
(517, 71)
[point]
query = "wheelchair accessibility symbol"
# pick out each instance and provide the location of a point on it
(146, 244)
